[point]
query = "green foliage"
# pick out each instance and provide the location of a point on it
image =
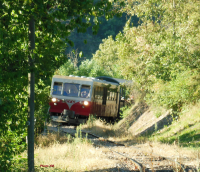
(184, 131)
(161, 55)
(107, 57)
(79, 138)
(89, 68)
(54, 22)
(42, 92)
(124, 111)
(177, 92)
(66, 69)
(107, 27)
(20, 164)
(158, 114)
(91, 120)
(12, 124)
(86, 68)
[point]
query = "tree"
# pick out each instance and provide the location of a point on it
(107, 57)
(89, 68)
(54, 21)
(162, 49)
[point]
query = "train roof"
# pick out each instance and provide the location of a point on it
(109, 79)
(84, 78)
(116, 80)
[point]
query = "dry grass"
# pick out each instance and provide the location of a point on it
(100, 128)
(50, 139)
(75, 154)
(182, 155)
(69, 154)
(71, 157)
(112, 132)
(135, 112)
(167, 150)
(78, 154)
(156, 149)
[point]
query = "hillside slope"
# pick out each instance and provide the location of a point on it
(142, 121)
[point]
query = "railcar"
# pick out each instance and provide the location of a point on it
(74, 98)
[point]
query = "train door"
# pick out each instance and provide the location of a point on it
(104, 99)
(105, 90)
(98, 100)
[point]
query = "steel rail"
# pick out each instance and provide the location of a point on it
(163, 158)
(137, 163)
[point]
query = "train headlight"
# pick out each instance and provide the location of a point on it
(53, 99)
(86, 103)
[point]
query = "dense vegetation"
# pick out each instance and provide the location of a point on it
(161, 56)
(88, 43)
(54, 22)
(160, 53)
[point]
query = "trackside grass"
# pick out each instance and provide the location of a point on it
(62, 152)
(184, 131)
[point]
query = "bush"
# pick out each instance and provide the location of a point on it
(12, 128)
(174, 94)
(124, 111)
(41, 105)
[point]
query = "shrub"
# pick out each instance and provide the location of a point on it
(177, 92)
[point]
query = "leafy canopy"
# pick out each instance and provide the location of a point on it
(160, 51)
(54, 21)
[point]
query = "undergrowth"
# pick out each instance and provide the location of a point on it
(125, 111)
(69, 153)
(184, 131)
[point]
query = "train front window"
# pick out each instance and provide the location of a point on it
(57, 88)
(85, 91)
(71, 89)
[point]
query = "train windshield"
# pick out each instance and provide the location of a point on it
(71, 89)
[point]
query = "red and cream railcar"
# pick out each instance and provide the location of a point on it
(74, 98)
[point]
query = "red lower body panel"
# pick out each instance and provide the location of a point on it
(78, 107)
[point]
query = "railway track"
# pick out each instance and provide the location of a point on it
(136, 159)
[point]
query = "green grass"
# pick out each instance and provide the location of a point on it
(185, 131)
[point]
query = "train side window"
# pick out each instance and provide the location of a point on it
(108, 95)
(112, 95)
(85, 91)
(98, 93)
(57, 88)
